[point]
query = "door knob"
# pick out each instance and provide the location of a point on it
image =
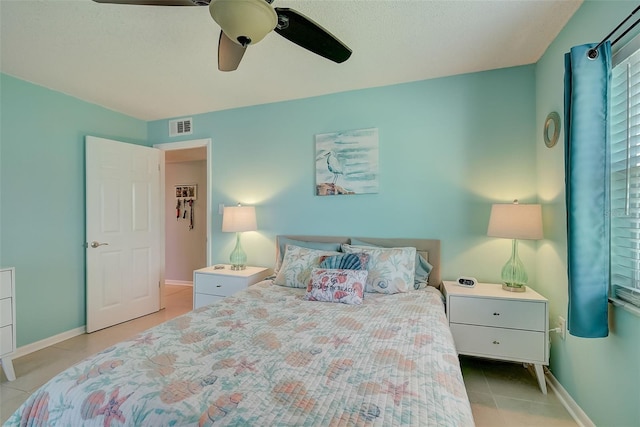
(95, 244)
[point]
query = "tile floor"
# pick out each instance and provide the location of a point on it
(506, 394)
(501, 394)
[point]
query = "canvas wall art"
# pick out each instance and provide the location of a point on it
(347, 162)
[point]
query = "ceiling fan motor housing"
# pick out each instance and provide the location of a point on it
(244, 21)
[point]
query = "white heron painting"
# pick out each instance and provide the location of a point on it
(347, 162)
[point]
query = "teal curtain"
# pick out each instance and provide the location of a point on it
(586, 98)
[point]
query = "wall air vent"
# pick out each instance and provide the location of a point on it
(180, 127)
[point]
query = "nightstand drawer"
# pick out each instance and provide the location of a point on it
(6, 340)
(5, 283)
(509, 344)
(527, 315)
(6, 312)
(206, 299)
(223, 286)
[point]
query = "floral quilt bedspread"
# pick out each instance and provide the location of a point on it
(266, 357)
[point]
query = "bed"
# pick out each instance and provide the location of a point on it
(271, 355)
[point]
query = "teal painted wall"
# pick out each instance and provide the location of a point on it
(602, 375)
(449, 147)
(42, 200)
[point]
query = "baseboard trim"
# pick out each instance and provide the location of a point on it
(567, 401)
(178, 282)
(39, 345)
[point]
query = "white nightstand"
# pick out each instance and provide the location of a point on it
(211, 285)
(487, 321)
(7, 320)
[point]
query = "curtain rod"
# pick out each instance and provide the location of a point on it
(593, 53)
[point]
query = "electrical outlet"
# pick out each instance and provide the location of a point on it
(562, 324)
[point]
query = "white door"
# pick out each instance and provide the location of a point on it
(123, 231)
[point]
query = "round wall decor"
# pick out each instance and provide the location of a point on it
(551, 130)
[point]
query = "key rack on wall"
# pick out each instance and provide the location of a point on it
(186, 192)
(185, 198)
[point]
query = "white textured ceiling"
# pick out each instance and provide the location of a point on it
(155, 62)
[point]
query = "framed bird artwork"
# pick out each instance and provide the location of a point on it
(347, 162)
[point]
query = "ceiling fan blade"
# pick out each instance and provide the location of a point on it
(229, 53)
(158, 2)
(299, 29)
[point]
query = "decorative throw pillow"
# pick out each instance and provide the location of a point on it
(284, 241)
(391, 270)
(345, 261)
(297, 264)
(336, 285)
(423, 268)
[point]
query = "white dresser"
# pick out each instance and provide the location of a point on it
(7, 320)
(211, 285)
(487, 321)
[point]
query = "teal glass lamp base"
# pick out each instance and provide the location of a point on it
(514, 276)
(238, 258)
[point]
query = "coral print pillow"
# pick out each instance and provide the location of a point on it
(336, 285)
(391, 270)
(297, 264)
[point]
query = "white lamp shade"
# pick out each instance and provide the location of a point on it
(252, 19)
(239, 218)
(515, 221)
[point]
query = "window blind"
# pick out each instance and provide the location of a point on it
(625, 180)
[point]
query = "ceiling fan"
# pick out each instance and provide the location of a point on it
(246, 22)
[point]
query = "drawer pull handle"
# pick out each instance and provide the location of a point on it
(218, 286)
(496, 314)
(496, 342)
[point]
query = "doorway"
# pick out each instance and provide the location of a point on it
(186, 239)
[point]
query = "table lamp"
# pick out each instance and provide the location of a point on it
(515, 221)
(238, 219)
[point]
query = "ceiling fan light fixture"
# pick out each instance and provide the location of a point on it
(243, 20)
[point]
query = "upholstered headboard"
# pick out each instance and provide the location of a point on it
(429, 248)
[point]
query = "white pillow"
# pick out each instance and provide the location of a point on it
(284, 241)
(297, 264)
(391, 270)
